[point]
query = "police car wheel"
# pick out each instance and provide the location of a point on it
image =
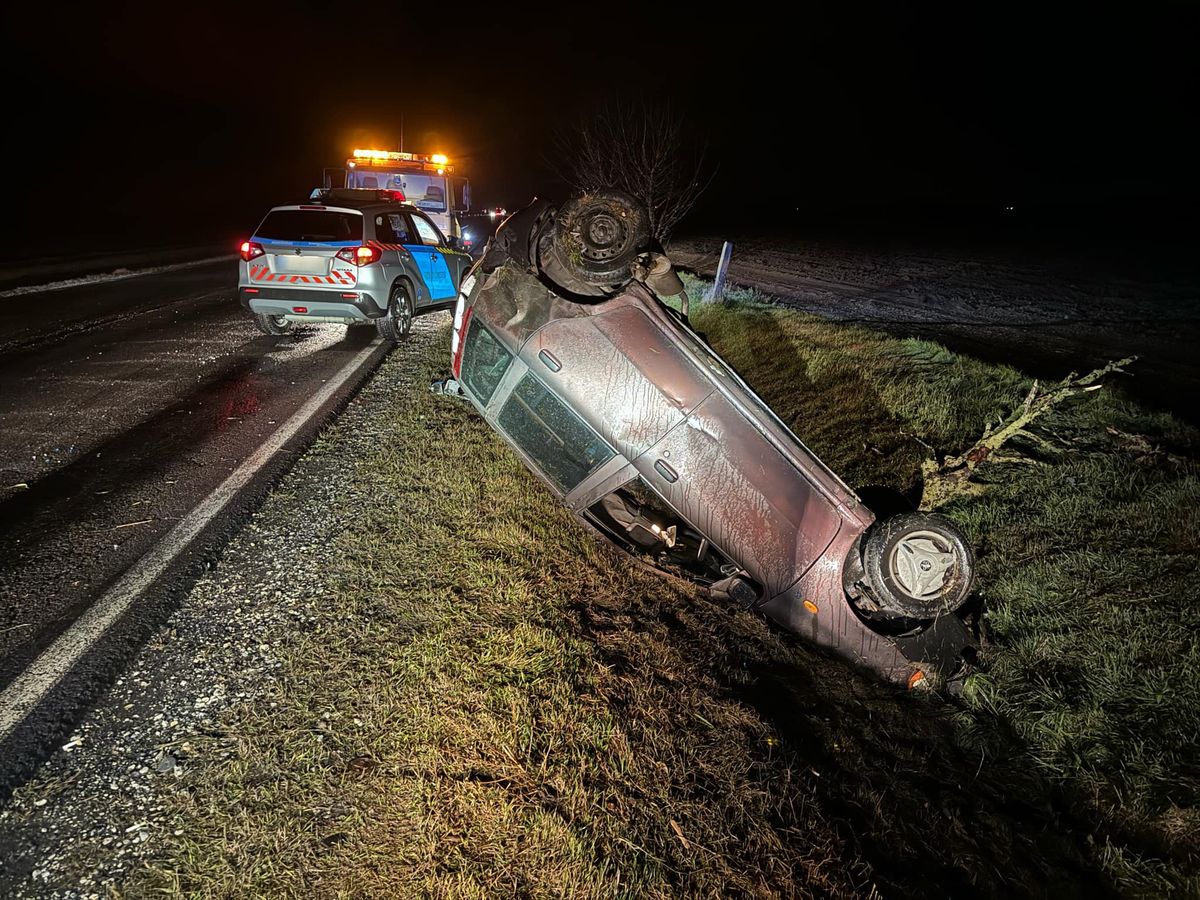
(396, 323)
(272, 325)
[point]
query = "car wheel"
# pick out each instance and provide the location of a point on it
(272, 325)
(598, 236)
(396, 324)
(918, 566)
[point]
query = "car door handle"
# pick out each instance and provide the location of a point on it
(666, 471)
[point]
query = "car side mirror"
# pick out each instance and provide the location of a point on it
(453, 243)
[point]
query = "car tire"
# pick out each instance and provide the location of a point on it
(272, 325)
(396, 324)
(598, 236)
(917, 566)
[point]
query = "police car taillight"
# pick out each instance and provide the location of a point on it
(359, 256)
(250, 250)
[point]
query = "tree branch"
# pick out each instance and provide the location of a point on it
(952, 477)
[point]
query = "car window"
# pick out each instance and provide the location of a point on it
(460, 196)
(310, 225)
(560, 443)
(425, 191)
(427, 231)
(392, 228)
(484, 362)
(644, 524)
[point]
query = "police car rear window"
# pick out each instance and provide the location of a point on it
(310, 225)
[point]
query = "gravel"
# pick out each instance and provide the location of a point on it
(96, 810)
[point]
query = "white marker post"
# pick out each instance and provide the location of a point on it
(717, 291)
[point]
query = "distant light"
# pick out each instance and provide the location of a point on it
(1009, 208)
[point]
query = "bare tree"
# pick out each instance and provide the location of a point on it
(643, 150)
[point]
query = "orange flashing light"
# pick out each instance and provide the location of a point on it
(438, 160)
(915, 679)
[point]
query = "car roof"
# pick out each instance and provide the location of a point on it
(351, 207)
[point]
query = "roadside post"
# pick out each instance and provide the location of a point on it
(717, 291)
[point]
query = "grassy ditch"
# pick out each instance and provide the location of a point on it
(491, 703)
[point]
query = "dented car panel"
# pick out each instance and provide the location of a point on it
(815, 608)
(654, 442)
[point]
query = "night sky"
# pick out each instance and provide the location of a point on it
(171, 123)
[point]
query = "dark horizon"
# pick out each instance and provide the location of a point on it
(879, 117)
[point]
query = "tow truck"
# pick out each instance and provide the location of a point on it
(427, 182)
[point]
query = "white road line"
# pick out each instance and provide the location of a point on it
(32, 685)
(102, 277)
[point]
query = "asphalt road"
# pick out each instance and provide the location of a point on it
(123, 406)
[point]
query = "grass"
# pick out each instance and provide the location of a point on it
(491, 703)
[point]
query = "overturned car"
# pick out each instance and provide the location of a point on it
(562, 343)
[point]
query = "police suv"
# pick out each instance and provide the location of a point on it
(351, 257)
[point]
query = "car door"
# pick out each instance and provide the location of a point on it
(393, 234)
(441, 266)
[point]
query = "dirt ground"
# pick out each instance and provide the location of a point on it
(1045, 313)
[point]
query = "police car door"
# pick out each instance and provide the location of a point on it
(435, 260)
(394, 232)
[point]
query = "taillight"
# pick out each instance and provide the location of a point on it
(360, 256)
(250, 250)
(458, 337)
(462, 316)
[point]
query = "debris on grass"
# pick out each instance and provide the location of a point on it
(953, 476)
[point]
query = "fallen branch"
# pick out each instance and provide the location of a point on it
(952, 477)
(1144, 452)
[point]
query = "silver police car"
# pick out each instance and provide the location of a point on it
(351, 257)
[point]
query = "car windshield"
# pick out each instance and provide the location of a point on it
(426, 192)
(311, 225)
(422, 191)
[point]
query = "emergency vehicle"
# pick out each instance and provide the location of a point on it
(427, 182)
(355, 257)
